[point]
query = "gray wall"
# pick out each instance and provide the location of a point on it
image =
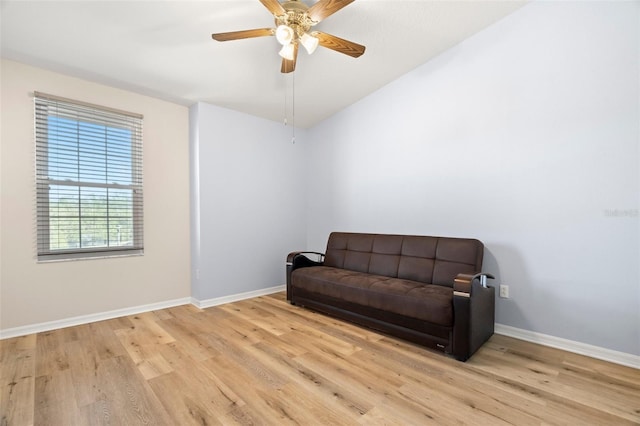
(525, 136)
(247, 201)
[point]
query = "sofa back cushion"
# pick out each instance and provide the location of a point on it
(431, 260)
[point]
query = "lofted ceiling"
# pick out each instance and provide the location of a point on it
(164, 49)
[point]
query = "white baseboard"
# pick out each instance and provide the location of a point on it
(84, 319)
(202, 304)
(597, 352)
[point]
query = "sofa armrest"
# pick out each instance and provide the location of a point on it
(474, 314)
(295, 257)
(298, 259)
(462, 284)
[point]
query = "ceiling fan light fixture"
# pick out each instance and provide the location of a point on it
(309, 42)
(294, 20)
(287, 51)
(284, 34)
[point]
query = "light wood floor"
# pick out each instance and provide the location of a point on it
(262, 361)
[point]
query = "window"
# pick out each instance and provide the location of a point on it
(89, 180)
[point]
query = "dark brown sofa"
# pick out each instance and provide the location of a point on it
(428, 290)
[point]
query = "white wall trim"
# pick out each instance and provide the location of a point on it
(84, 319)
(597, 352)
(202, 304)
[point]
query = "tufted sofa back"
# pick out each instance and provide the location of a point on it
(431, 260)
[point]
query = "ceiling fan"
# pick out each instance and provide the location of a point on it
(294, 19)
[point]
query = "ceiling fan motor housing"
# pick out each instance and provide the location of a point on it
(295, 17)
(293, 20)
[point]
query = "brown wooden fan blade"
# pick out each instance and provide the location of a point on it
(339, 44)
(274, 7)
(237, 35)
(290, 65)
(324, 8)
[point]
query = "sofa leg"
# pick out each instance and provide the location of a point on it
(461, 358)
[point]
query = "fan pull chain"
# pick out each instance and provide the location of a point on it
(293, 105)
(293, 109)
(285, 99)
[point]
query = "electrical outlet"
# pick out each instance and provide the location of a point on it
(504, 291)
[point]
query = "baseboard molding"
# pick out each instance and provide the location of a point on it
(84, 319)
(202, 304)
(597, 352)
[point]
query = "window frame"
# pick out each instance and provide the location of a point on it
(82, 113)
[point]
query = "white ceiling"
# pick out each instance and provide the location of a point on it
(164, 48)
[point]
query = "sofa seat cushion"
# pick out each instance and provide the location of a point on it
(427, 302)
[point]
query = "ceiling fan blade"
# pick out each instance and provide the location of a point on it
(237, 35)
(324, 8)
(338, 44)
(289, 65)
(274, 7)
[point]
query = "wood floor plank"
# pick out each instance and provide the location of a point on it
(84, 362)
(104, 339)
(255, 314)
(197, 398)
(17, 378)
(126, 397)
(259, 395)
(456, 383)
(242, 330)
(543, 382)
(380, 417)
(189, 339)
(146, 330)
(253, 370)
(50, 354)
(144, 352)
(301, 408)
(263, 361)
(329, 394)
(55, 401)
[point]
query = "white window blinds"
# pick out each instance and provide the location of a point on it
(89, 180)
